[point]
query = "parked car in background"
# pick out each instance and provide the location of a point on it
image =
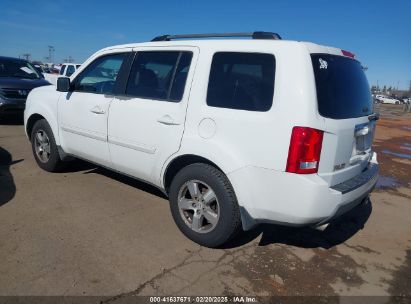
(407, 100)
(17, 78)
(378, 97)
(388, 100)
(220, 128)
(68, 69)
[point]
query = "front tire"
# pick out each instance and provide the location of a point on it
(44, 147)
(204, 205)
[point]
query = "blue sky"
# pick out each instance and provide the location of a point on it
(378, 32)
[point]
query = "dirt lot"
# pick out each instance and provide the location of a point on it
(92, 232)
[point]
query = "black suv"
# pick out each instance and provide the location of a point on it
(17, 78)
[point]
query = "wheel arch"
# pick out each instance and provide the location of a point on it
(30, 123)
(43, 114)
(181, 161)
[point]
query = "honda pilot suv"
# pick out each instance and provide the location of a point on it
(236, 132)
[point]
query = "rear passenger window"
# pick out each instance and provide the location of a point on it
(70, 70)
(63, 67)
(159, 75)
(243, 81)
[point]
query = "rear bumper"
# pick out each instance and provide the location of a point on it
(367, 178)
(268, 196)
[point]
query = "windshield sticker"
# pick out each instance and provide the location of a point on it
(323, 64)
(27, 70)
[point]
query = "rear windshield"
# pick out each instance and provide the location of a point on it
(342, 88)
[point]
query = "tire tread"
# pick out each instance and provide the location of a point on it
(230, 198)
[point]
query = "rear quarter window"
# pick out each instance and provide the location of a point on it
(242, 81)
(342, 87)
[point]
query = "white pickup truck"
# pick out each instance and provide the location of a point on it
(66, 70)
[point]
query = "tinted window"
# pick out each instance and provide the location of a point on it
(70, 70)
(159, 75)
(243, 81)
(16, 68)
(100, 76)
(178, 85)
(342, 88)
(63, 67)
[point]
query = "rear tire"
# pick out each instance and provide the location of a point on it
(44, 147)
(204, 205)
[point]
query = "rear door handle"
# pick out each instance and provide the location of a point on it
(97, 110)
(167, 120)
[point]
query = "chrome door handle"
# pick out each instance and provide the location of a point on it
(167, 120)
(97, 110)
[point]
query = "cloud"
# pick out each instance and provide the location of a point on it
(119, 36)
(18, 14)
(115, 35)
(31, 27)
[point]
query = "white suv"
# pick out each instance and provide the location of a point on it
(236, 132)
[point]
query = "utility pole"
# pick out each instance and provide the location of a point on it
(51, 51)
(69, 59)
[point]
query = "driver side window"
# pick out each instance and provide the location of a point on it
(100, 76)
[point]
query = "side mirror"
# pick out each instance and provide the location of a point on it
(63, 84)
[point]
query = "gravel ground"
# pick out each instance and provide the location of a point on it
(89, 231)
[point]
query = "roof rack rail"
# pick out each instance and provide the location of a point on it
(253, 35)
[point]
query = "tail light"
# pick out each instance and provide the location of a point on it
(348, 54)
(305, 149)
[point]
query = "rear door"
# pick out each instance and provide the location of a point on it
(146, 122)
(345, 103)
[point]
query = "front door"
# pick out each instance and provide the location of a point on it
(83, 112)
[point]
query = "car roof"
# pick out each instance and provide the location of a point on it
(12, 58)
(227, 43)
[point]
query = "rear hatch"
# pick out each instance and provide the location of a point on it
(345, 104)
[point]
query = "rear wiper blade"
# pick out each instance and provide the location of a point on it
(374, 116)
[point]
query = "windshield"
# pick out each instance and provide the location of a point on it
(18, 69)
(342, 88)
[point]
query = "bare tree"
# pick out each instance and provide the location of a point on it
(26, 56)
